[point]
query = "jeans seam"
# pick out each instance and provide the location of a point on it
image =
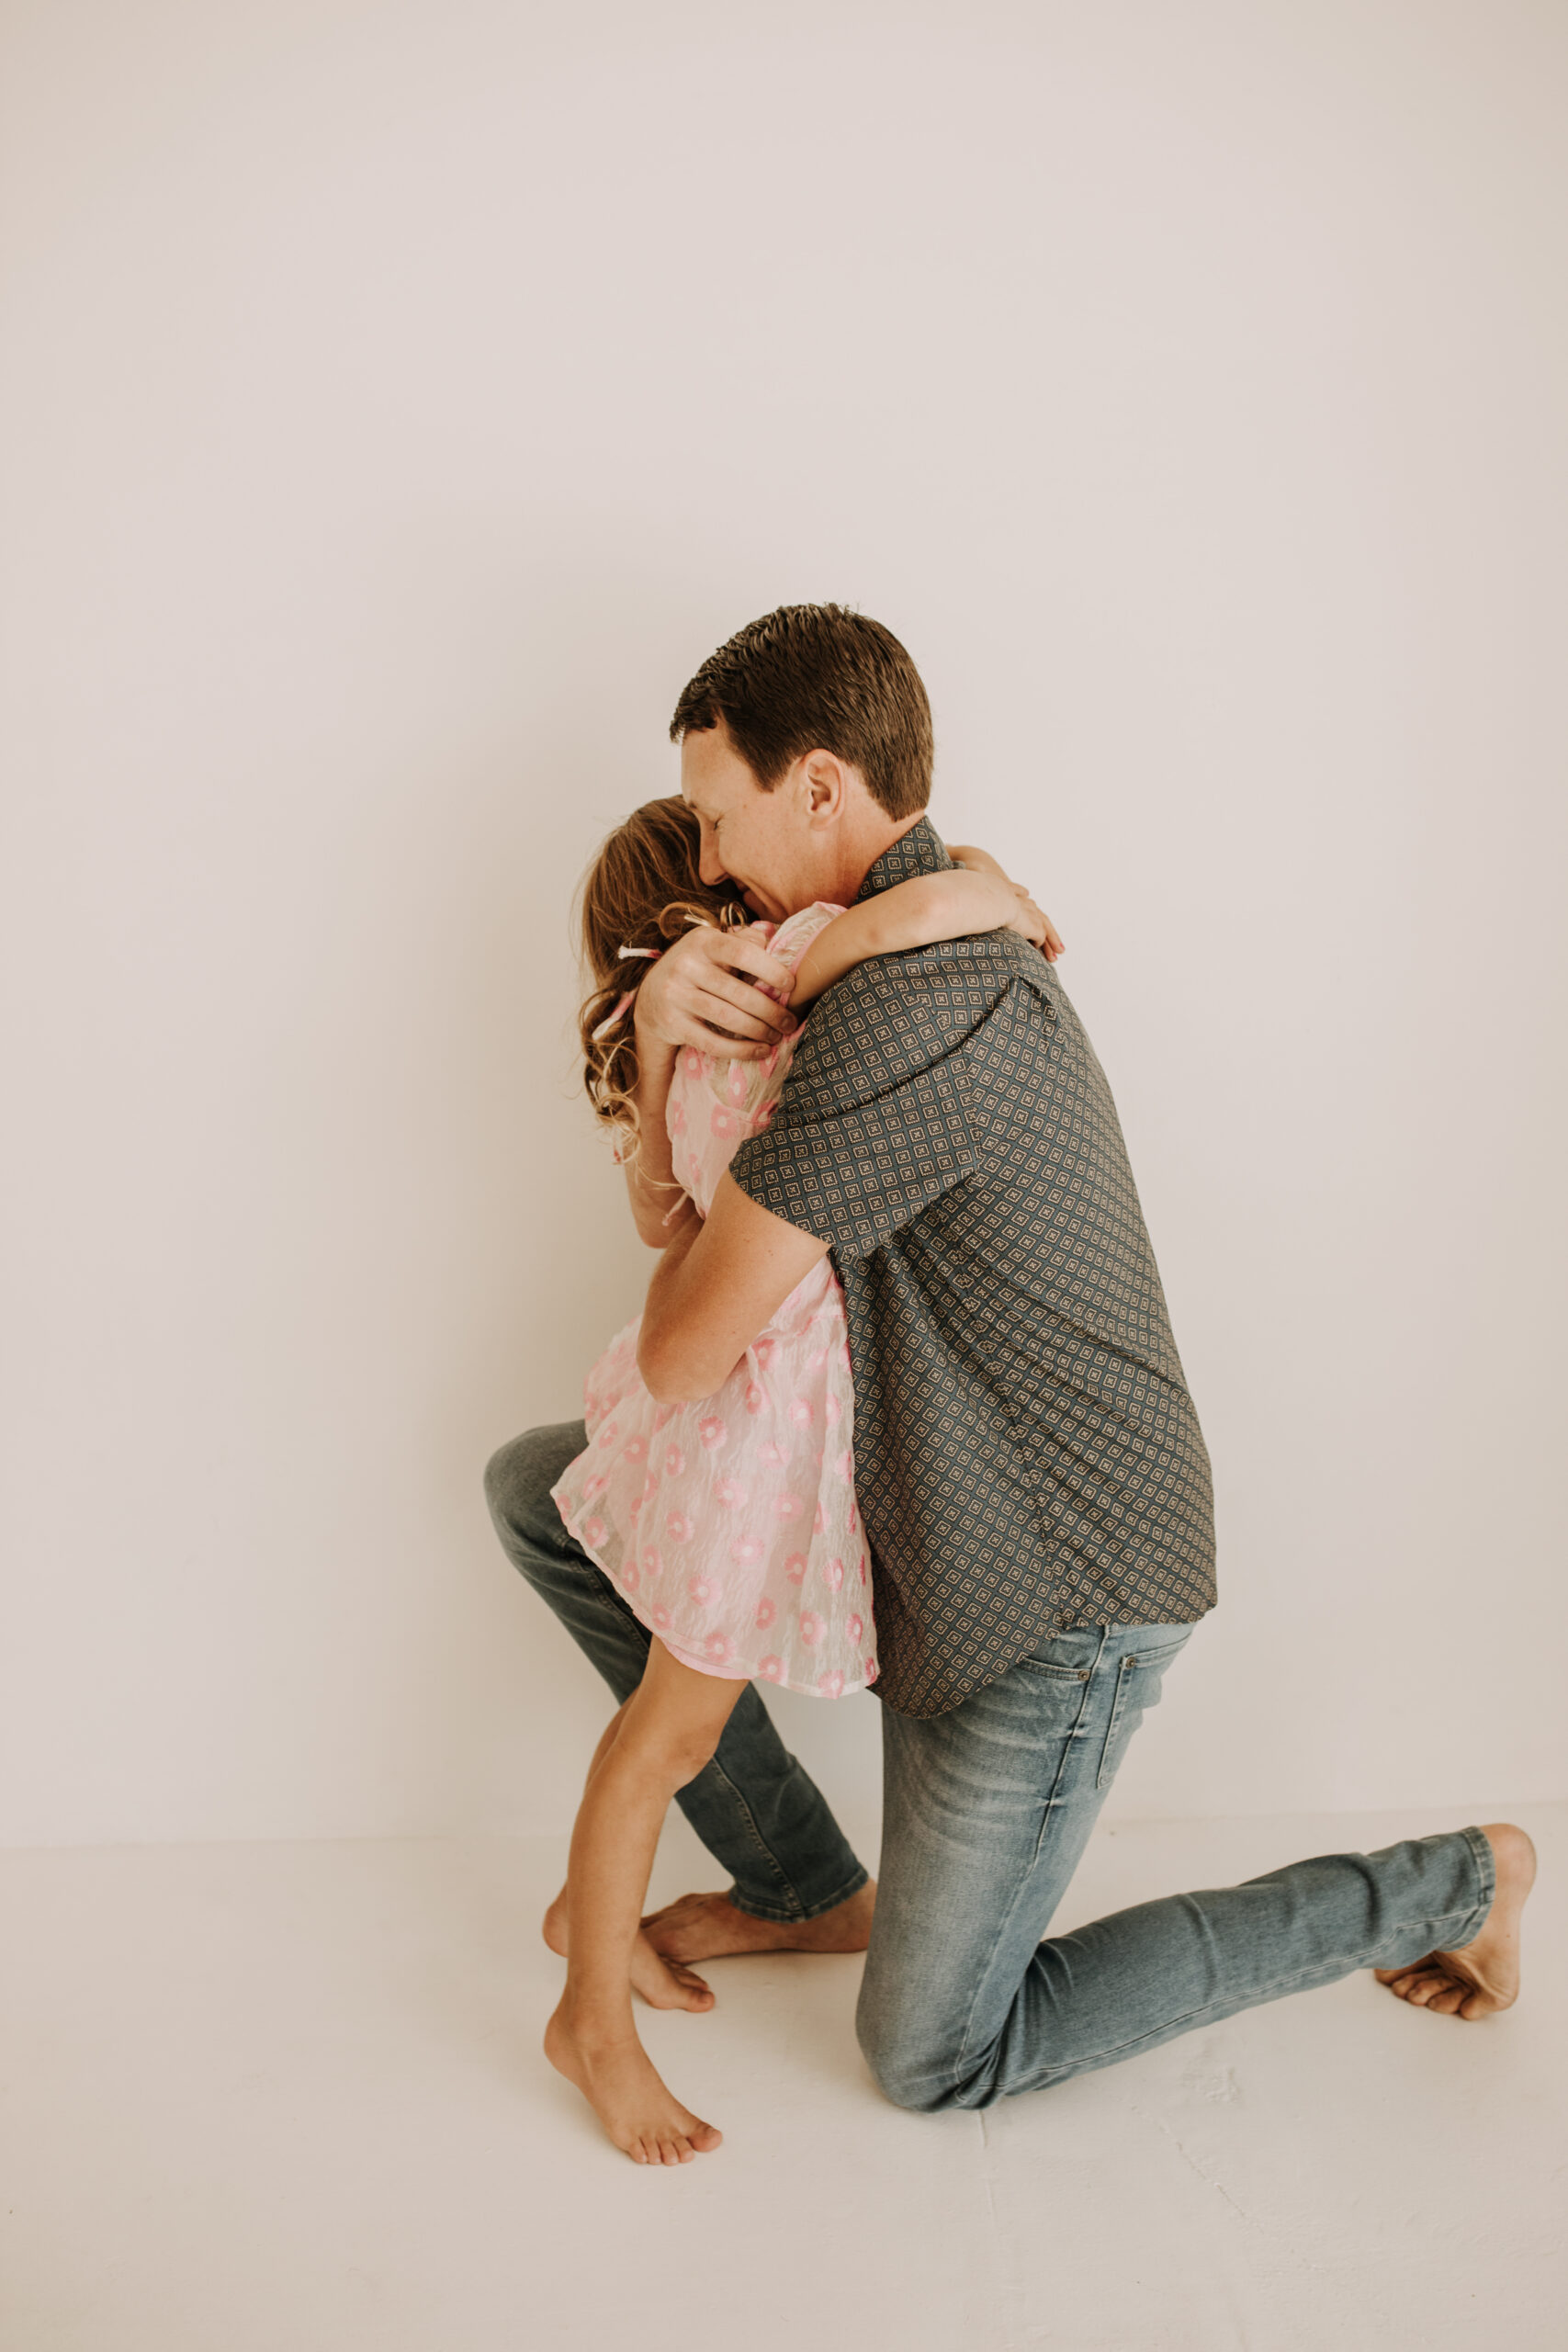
(983, 1975)
(1127, 1675)
(1085, 1688)
(1123, 1684)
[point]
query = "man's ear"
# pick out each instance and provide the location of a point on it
(826, 782)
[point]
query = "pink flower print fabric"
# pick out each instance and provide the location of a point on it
(730, 1526)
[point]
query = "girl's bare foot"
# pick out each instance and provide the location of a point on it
(1482, 1976)
(621, 2086)
(663, 1984)
(709, 1927)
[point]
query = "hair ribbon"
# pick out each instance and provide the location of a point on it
(624, 955)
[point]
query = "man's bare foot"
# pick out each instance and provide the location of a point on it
(1482, 1976)
(663, 1984)
(709, 1927)
(621, 2086)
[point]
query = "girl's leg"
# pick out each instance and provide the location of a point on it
(669, 1730)
(663, 1984)
(555, 1928)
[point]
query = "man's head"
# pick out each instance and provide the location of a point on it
(806, 750)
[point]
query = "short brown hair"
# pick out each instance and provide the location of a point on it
(818, 677)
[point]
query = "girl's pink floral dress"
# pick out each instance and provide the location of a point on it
(730, 1526)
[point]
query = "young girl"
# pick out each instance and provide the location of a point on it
(728, 1526)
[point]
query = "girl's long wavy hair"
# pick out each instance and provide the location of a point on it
(642, 890)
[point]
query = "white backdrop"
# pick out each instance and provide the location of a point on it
(404, 401)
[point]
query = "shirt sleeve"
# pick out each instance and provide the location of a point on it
(873, 1122)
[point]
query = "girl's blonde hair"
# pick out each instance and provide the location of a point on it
(642, 890)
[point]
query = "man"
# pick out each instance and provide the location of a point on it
(1028, 1461)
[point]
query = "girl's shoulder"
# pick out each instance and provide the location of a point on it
(794, 934)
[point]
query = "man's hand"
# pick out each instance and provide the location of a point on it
(703, 992)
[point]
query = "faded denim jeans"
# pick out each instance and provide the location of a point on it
(966, 1998)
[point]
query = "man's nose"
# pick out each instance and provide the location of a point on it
(711, 869)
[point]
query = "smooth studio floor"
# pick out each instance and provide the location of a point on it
(288, 2098)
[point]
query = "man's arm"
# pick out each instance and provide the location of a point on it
(718, 1285)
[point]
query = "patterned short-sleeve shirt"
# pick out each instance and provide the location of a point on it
(1027, 1456)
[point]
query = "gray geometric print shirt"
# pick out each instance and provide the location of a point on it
(1027, 1457)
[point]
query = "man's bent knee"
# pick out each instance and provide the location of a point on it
(518, 1479)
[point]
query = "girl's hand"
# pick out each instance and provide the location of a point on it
(1023, 915)
(1034, 923)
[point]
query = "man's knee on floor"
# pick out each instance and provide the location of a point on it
(905, 2066)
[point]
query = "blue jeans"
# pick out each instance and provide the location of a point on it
(986, 1812)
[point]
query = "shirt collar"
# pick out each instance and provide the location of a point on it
(919, 851)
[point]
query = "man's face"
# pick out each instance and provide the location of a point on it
(762, 841)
